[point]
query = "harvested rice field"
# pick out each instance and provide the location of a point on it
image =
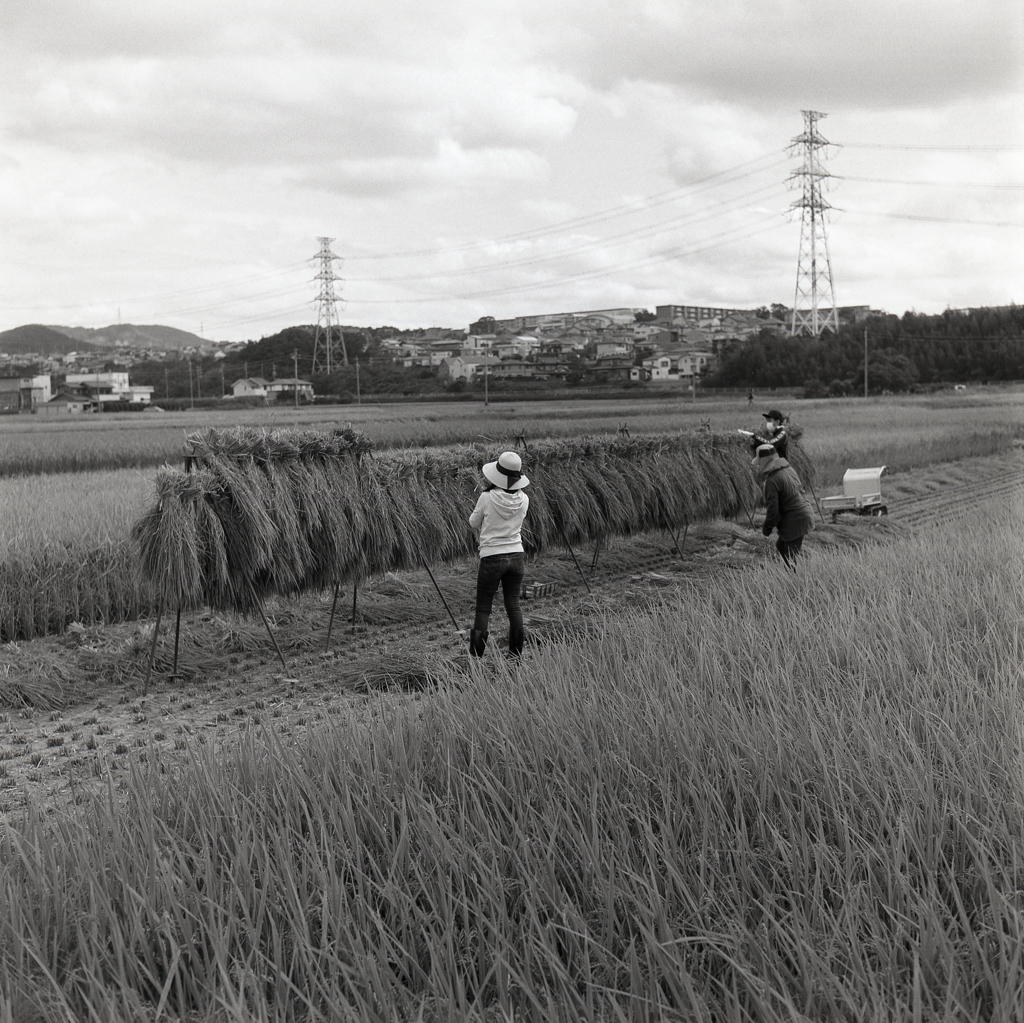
(805, 891)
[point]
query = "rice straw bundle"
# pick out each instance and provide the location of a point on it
(277, 512)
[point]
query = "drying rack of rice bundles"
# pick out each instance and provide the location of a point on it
(256, 514)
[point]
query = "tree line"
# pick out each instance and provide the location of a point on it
(913, 351)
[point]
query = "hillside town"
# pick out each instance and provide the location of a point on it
(674, 345)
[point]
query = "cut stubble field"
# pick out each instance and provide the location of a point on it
(711, 790)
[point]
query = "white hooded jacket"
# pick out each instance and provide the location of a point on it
(499, 516)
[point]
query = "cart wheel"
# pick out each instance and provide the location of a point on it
(878, 511)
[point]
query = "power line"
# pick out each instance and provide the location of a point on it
(732, 235)
(937, 220)
(933, 149)
(938, 184)
(599, 216)
(693, 217)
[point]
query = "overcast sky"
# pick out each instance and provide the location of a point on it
(175, 162)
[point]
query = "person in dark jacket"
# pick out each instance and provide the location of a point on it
(786, 508)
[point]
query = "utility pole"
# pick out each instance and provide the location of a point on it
(327, 346)
(167, 384)
(814, 269)
(865, 362)
(487, 373)
(199, 377)
(359, 398)
(191, 398)
(223, 389)
(295, 362)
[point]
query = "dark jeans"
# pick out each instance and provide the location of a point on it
(506, 570)
(789, 549)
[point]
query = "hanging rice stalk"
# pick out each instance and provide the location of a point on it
(280, 512)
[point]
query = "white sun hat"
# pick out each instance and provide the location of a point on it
(506, 472)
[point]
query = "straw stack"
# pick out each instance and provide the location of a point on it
(282, 512)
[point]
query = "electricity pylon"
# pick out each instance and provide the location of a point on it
(814, 269)
(329, 338)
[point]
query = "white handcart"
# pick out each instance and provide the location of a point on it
(862, 494)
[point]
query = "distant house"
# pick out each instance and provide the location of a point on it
(661, 367)
(24, 394)
(609, 369)
(108, 387)
(512, 368)
(67, 403)
(249, 387)
(288, 387)
(694, 363)
(462, 367)
(612, 348)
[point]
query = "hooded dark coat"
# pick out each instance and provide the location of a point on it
(786, 507)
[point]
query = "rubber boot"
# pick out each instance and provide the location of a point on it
(477, 642)
(515, 642)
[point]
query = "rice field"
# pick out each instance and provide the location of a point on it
(33, 445)
(67, 555)
(773, 798)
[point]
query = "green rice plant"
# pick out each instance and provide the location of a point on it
(775, 797)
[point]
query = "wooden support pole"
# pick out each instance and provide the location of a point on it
(177, 636)
(565, 540)
(597, 554)
(441, 595)
(152, 648)
(270, 632)
(817, 502)
(330, 623)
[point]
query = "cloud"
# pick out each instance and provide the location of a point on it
(301, 104)
(769, 54)
(450, 166)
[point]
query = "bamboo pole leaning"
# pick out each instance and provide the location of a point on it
(283, 512)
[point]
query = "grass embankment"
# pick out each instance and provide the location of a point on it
(776, 798)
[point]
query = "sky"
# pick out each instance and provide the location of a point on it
(177, 162)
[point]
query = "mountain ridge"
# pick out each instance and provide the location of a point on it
(151, 335)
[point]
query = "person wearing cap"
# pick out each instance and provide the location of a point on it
(498, 518)
(774, 432)
(786, 508)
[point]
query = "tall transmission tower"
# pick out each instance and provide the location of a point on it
(814, 304)
(329, 338)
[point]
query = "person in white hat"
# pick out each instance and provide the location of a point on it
(498, 518)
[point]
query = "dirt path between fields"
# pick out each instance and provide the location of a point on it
(77, 717)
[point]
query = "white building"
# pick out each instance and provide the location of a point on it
(109, 387)
(289, 386)
(694, 363)
(662, 367)
(248, 387)
(24, 394)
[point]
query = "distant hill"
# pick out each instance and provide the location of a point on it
(138, 336)
(34, 337)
